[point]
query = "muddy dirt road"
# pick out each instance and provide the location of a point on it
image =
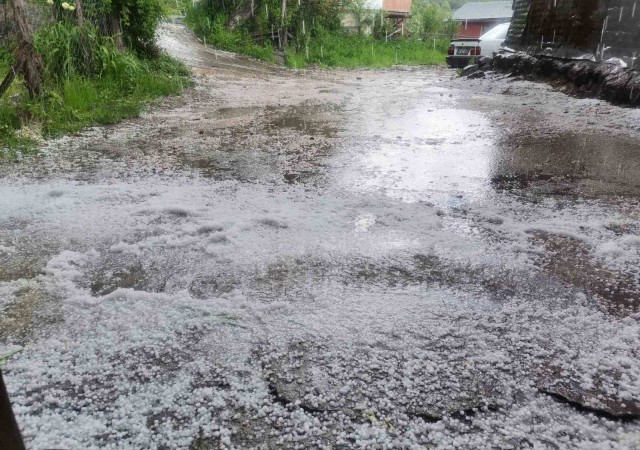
(328, 259)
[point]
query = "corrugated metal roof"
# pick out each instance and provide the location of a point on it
(488, 10)
(396, 5)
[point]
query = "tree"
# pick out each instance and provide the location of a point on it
(28, 61)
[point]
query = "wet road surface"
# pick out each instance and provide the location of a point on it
(328, 259)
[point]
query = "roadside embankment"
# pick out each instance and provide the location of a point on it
(606, 80)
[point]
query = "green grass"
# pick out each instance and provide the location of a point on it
(357, 51)
(214, 33)
(320, 47)
(100, 86)
(326, 50)
(75, 102)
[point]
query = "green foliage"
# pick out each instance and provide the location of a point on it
(61, 47)
(10, 111)
(210, 18)
(6, 56)
(76, 101)
(352, 51)
(174, 7)
(430, 19)
(139, 20)
(87, 79)
(363, 16)
(316, 35)
(218, 35)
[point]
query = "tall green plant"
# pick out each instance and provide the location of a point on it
(138, 20)
(430, 18)
(60, 45)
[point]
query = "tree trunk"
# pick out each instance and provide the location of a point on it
(29, 63)
(7, 81)
(116, 30)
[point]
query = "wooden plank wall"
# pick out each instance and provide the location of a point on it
(605, 28)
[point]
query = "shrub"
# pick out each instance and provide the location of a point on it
(63, 56)
(140, 19)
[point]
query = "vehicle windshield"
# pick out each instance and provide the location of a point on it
(496, 33)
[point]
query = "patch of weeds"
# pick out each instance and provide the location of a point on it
(118, 86)
(218, 35)
(358, 51)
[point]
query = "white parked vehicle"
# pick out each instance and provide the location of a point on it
(462, 51)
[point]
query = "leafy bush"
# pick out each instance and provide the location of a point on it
(140, 19)
(430, 18)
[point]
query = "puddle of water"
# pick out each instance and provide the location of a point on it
(573, 163)
(442, 156)
(310, 120)
(451, 157)
(231, 113)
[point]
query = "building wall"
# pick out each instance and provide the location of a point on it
(475, 29)
(469, 30)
